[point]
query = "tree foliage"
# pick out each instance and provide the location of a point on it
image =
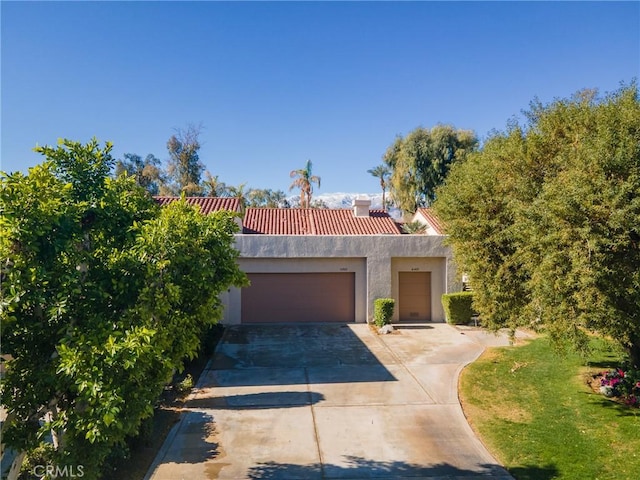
(104, 295)
(258, 197)
(184, 169)
(421, 161)
(546, 220)
(147, 173)
(183, 175)
(212, 186)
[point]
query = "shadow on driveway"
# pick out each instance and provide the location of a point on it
(362, 468)
(330, 401)
(257, 400)
(254, 355)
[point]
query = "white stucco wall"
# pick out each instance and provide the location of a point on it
(418, 217)
(375, 259)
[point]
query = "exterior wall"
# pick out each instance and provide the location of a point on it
(375, 259)
(418, 217)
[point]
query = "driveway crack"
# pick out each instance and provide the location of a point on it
(405, 367)
(315, 424)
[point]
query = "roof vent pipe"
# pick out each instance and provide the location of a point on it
(361, 207)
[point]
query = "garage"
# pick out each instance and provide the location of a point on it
(414, 302)
(299, 297)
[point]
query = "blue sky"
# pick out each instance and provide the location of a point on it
(276, 83)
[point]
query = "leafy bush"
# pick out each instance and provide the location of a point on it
(41, 455)
(458, 307)
(185, 385)
(117, 291)
(383, 311)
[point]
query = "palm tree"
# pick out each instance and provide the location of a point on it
(382, 172)
(239, 193)
(304, 180)
(214, 187)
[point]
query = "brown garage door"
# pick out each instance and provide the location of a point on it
(299, 297)
(415, 296)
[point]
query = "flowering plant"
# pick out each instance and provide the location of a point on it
(623, 384)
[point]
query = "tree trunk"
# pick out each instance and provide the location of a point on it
(14, 470)
(634, 354)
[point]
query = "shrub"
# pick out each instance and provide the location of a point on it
(623, 383)
(458, 307)
(383, 311)
(185, 385)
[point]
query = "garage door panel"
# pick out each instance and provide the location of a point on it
(299, 297)
(415, 296)
(416, 290)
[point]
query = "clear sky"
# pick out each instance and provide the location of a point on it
(276, 83)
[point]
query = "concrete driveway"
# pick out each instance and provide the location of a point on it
(327, 401)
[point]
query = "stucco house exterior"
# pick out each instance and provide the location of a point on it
(329, 265)
(431, 222)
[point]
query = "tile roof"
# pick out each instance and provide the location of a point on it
(317, 221)
(430, 216)
(207, 204)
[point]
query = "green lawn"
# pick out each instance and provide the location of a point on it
(535, 412)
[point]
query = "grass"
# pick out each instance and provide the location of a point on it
(536, 413)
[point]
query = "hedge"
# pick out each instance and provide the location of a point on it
(383, 311)
(458, 307)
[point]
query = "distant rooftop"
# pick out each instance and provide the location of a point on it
(317, 221)
(310, 221)
(430, 216)
(207, 204)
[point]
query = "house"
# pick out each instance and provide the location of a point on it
(428, 218)
(329, 265)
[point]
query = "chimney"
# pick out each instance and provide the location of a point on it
(361, 207)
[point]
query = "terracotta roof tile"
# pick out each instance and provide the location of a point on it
(276, 221)
(207, 204)
(317, 221)
(430, 216)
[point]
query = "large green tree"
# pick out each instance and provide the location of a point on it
(104, 295)
(420, 162)
(546, 219)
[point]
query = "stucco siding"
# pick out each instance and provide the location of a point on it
(375, 259)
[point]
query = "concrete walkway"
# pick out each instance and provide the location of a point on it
(329, 401)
